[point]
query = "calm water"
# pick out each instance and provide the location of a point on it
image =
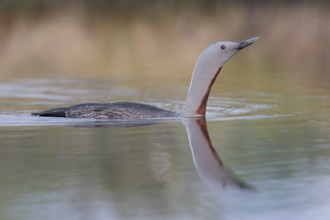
(266, 154)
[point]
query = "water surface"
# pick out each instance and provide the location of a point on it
(268, 156)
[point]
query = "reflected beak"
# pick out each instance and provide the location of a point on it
(246, 43)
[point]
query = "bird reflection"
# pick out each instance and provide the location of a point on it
(207, 162)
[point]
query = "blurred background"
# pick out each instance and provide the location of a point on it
(81, 38)
(269, 113)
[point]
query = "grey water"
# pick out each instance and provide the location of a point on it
(263, 153)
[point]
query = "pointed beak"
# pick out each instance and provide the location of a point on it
(246, 43)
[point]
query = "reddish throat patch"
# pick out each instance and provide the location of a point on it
(202, 107)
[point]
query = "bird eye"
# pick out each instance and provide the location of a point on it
(223, 47)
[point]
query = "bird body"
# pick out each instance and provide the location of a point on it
(115, 110)
(207, 68)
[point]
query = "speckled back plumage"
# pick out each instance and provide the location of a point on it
(116, 110)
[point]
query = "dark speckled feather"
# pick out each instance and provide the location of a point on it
(116, 110)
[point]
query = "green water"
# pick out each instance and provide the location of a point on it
(273, 137)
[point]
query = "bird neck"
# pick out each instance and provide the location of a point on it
(199, 91)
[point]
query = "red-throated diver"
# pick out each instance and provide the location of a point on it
(206, 70)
